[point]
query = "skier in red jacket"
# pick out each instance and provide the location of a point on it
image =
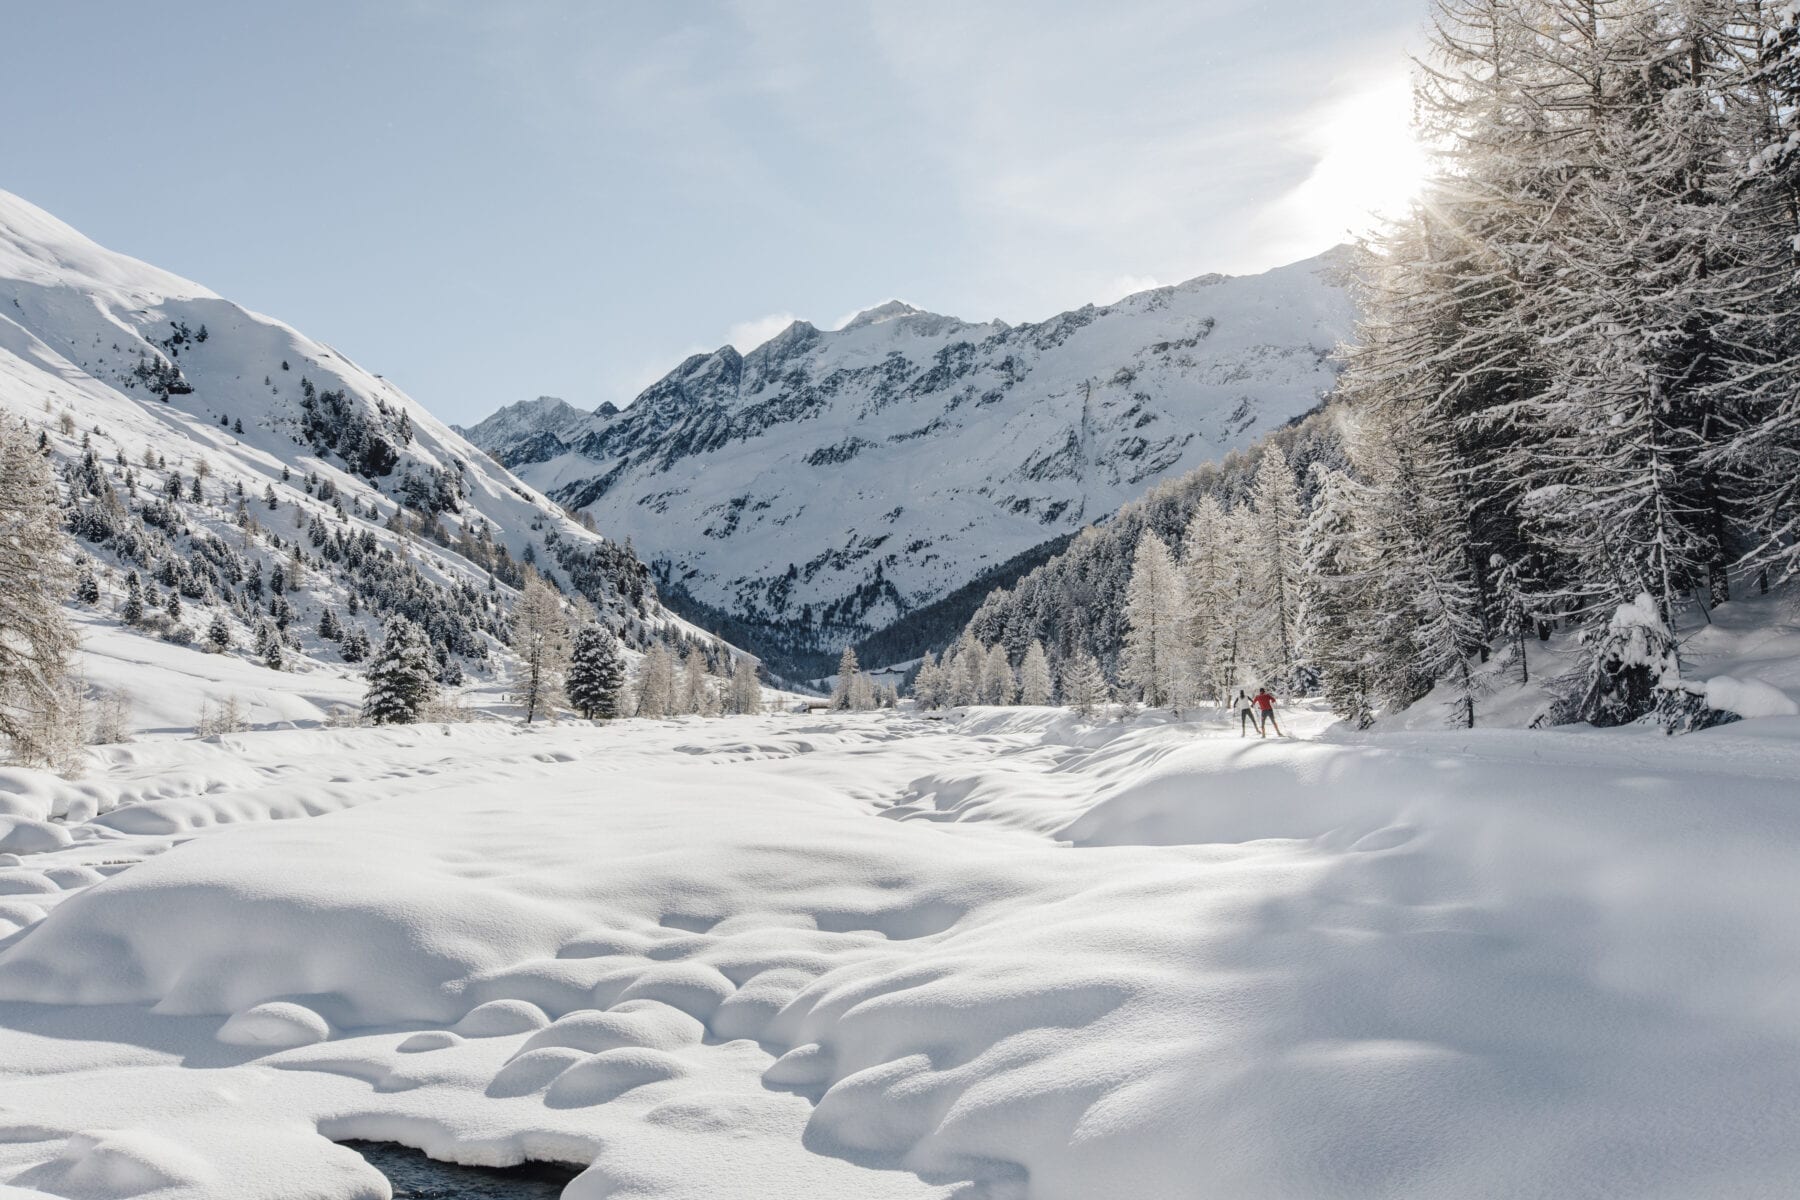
(1265, 705)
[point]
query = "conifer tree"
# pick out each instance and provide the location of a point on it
(1209, 569)
(1083, 685)
(746, 689)
(1279, 562)
(273, 656)
(401, 680)
(1157, 610)
(596, 676)
(1034, 676)
(218, 634)
(965, 671)
(133, 609)
(656, 695)
(697, 694)
(540, 639)
(928, 683)
(843, 690)
(37, 705)
(998, 683)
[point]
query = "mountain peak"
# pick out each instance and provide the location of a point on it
(886, 311)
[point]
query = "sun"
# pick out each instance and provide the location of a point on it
(1370, 165)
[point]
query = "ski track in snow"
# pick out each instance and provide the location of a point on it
(1006, 954)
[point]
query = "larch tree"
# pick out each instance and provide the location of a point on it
(1035, 687)
(656, 693)
(928, 683)
(1210, 571)
(540, 637)
(1083, 684)
(843, 691)
(37, 707)
(697, 694)
(1279, 562)
(1156, 607)
(998, 683)
(746, 689)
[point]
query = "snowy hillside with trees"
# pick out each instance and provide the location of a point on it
(829, 482)
(236, 487)
(1571, 409)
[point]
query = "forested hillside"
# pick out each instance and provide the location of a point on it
(1572, 401)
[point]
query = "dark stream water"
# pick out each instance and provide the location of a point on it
(416, 1177)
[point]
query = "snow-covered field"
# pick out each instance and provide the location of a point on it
(1002, 955)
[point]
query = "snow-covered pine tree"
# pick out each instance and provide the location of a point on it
(746, 689)
(355, 646)
(540, 639)
(1034, 676)
(218, 634)
(1157, 610)
(274, 654)
(133, 609)
(928, 683)
(1634, 658)
(596, 675)
(841, 690)
(401, 681)
(36, 640)
(998, 684)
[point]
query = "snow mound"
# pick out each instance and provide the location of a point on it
(1748, 697)
(278, 1023)
(1007, 955)
(115, 1164)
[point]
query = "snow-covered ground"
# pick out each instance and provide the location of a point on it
(1005, 954)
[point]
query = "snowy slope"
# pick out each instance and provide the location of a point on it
(1010, 956)
(157, 375)
(835, 480)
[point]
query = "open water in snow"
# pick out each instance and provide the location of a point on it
(416, 1177)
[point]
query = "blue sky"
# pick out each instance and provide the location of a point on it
(491, 201)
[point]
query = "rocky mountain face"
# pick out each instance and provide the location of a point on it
(232, 469)
(828, 483)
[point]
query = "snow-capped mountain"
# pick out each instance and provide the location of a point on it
(205, 449)
(829, 482)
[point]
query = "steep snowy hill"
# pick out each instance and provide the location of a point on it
(244, 473)
(829, 482)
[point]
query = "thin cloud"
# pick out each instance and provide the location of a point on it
(748, 335)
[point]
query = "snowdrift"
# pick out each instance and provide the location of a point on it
(1005, 955)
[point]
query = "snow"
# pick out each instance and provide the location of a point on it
(75, 319)
(1001, 955)
(1748, 697)
(909, 451)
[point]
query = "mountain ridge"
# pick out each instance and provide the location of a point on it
(828, 482)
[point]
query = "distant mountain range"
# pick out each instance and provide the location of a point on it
(829, 484)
